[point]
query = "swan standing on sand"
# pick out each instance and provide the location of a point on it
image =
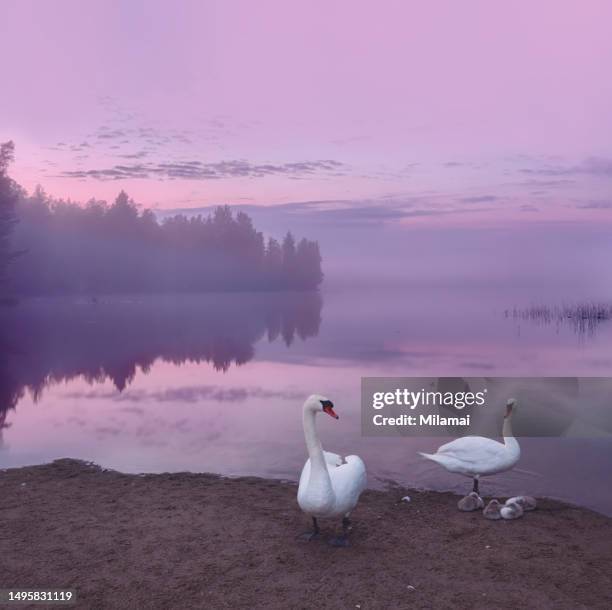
(477, 456)
(329, 486)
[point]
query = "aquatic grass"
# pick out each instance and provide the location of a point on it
(584, 318)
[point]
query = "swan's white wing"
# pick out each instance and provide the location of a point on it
(348, 481)
(472, 449)
(304, 476)
(474, 455)
(332, 459)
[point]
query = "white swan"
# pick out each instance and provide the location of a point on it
(329, 486)
(477, 456)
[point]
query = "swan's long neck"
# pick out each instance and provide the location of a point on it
(315, 451)
(509, 440)
(318, 468)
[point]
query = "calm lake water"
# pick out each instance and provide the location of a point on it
(215, 383)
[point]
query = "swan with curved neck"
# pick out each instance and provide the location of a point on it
(478, 456)
(329, 485)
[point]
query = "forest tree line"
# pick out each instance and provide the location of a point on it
(50, 246)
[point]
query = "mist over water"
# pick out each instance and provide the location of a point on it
(525, 260)
(216, 382)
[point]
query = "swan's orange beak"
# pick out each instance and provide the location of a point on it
(331, 412)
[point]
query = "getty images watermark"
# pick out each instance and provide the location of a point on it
(459, 406)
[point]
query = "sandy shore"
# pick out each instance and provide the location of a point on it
(197, 540)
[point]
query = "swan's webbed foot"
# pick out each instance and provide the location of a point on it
(340, 541)
(314, 534)
(308, 536)
(343, 539)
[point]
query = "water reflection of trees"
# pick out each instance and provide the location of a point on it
(48, 341)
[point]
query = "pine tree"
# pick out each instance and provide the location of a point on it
(308, 273)
(289, 262)
(273, 263)
(8, 199)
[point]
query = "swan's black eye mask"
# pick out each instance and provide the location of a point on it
(328, 407)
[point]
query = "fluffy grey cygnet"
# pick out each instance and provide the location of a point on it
(470, 503)
(525, 502)
(492, 510)
(511, 511)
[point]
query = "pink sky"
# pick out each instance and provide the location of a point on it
(474, 105)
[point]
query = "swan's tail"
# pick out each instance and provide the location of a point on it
(434, 457)
(429, 456)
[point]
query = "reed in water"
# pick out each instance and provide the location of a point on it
(583, 317)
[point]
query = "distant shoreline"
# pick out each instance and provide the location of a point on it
(16, 299)
(189, 540)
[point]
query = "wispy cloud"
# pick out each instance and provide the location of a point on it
(344, 213)
(111, 134)
(594, 166)
(196, 170)
(538, 183)
(595, 205)
(479, 199)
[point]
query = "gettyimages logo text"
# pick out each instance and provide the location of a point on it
(462, 406)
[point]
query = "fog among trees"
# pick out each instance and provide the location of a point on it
(50, 246)
(8, 200)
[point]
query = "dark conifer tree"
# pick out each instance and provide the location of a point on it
(8, 199)
(308, 272)
(289, 262)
